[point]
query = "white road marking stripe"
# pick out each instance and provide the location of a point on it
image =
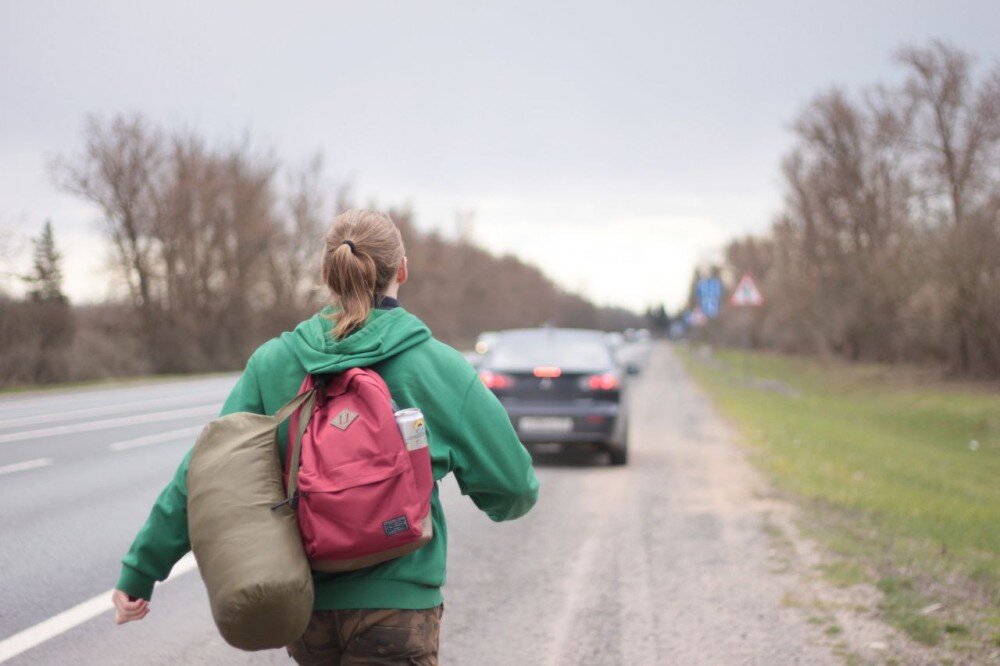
(77, 615)
(104, 409)
(27, 464)
(152, 417)
(155, 439)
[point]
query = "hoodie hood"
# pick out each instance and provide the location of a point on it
(385, 334)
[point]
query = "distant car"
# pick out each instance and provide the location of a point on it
(484, 341)
(560, 385)
(615, 340)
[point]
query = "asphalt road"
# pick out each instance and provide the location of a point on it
(665, 561)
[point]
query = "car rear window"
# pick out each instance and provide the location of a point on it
(568, 354)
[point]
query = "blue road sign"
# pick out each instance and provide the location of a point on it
(709, 291)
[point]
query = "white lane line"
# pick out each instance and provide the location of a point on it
(27, 464)
(75, 616)
(152, 417)
(55, 415)
(158, 438)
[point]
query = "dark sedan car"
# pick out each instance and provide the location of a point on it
(560, 385)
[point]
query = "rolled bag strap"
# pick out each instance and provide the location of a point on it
(289, 407)
(306, 400)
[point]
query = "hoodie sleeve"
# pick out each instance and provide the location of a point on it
(490, 463)
(163, 539)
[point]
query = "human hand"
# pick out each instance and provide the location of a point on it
(127, 610)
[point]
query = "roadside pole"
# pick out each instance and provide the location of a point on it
(745, 297)
(747, 342)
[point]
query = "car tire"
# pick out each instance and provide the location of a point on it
(618, 454)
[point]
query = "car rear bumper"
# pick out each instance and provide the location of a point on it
(593, 421)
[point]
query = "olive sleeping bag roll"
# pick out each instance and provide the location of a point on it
(250, 556)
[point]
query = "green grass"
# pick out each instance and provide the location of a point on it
(844, 573)
(901, 605)
(899, 473)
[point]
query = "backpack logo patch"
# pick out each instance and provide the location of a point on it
(344, 419)
(395, 525)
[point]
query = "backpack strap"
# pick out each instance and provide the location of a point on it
(305, 400)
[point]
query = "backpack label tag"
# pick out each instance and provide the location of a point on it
(395, 526)
(344, 419)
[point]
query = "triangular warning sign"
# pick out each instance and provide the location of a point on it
(746, 294)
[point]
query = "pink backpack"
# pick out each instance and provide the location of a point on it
(361, 496)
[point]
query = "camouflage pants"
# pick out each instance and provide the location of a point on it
(371, 637)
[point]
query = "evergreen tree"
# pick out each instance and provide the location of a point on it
(45, 281)
(49, 314)
(692, 300)
(657, 319)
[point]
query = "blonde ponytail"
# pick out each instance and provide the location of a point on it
(363, 252)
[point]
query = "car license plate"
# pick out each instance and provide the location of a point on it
(546, 423)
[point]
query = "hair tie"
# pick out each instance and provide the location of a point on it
(350, 244)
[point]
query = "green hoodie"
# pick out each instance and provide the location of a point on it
(467, 427)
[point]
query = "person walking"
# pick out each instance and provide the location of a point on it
(389, 613)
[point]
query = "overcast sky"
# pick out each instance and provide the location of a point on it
(614, 144)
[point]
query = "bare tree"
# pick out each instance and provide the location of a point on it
(120, 171)
(11, 247)
(295, 256)
(191, 226)
(958, 137)
(218, 256)
(888, 242)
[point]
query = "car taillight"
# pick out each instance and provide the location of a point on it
(496, 380)
(603, 382)
(547, 372)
